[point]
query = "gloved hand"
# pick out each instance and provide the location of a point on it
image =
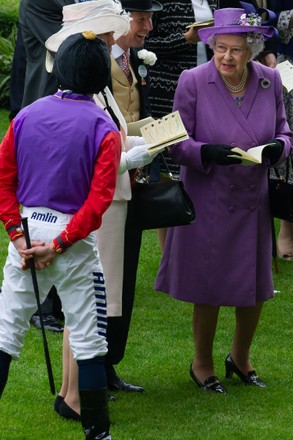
(134, 141)
(219, 154)
(135, 158)
(273, 151)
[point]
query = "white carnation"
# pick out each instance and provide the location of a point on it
(147, 56)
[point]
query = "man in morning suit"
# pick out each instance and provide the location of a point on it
(131, 95)
(38, 20)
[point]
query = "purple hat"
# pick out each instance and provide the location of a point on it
(235, 21)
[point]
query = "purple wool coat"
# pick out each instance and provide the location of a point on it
(224, 258)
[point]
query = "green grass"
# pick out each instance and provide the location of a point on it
(158, 355)
(4, 122)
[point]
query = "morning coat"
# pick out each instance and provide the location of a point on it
(224, 258)
(38, 20)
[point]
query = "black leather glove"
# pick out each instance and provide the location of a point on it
(273, 151)
(219, 154)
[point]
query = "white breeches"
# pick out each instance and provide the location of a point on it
(78, 277)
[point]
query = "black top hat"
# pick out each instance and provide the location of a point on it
(141, 5)
(82, 63)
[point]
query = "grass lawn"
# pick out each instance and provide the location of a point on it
(158, 355)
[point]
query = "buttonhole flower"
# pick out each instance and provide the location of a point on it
(147, 57)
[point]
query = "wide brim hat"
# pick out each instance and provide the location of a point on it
(98, 16)
(141, 5)
(226, 21)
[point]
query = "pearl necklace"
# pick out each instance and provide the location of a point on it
(240, 86)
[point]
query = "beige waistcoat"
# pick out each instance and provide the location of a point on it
(126, 95)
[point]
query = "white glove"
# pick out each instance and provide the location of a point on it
(133, 141)
(135, 158)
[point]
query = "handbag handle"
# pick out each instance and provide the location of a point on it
(287, 168)
(168, 168)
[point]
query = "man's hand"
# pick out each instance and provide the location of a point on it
(43, 255)
(191, 36)
(269, 60)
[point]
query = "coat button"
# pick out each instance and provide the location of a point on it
(252, 208)
(231, 209)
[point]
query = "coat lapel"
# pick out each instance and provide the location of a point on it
(117, 74)
(240, 114)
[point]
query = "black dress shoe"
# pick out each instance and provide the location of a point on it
(251, 378)
(117, 384)
(211, 384)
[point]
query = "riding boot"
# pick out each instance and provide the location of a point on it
(94, 414)
(5, 360)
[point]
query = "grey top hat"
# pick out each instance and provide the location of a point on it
(141, 5)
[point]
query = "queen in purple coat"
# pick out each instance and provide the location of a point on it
(224, 258)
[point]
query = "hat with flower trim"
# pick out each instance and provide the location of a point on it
(235, 21)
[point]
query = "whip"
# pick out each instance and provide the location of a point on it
(37, 295)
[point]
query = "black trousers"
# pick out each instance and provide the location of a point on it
(118, 327)
(17, 76)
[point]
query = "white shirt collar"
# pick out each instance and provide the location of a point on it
(117, 51)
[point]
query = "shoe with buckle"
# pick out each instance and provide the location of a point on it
(251, 378)
(211, 384)
(118, 384)
(50, 323)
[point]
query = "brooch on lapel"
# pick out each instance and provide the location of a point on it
(265, 83)
(148, 58)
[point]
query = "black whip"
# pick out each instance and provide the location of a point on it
(37, 295)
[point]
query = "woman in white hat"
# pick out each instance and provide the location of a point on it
(106, 19)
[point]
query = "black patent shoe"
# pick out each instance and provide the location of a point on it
(211, 384)
(251, 378)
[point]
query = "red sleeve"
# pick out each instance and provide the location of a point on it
(89, 217)
(9, 206)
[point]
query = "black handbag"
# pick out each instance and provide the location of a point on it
(281, 194)
(162, 204)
